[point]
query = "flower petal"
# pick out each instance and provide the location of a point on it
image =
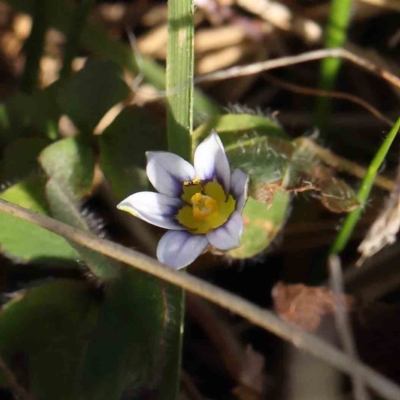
(155, 208)
(166, 172)
(239, 188)
(227, 236)
(177, 249)
(210, 161)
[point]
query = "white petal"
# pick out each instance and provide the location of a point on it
(239, 187)
(227, 236)
(167, 171)
(210, 161)
(155, 208)
(177, 249)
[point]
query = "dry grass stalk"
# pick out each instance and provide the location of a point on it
(384, 230)
(283, 18)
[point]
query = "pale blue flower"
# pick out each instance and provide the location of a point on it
(201, 205)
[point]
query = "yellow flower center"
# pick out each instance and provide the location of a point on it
(203, 206)
(208, 207)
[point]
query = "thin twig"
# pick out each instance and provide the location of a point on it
(390, 4)
(342, 164)
(282, 17)
(323, 93)
(255, 314)
(343, 324)
(256, 68)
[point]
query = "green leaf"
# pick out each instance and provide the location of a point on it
(277, 167)
(91, 92)
(71, 163)
(257, 145)
(127, 346)
(44, 333)
(230, 127)
(22, 240)
(261, 224)
(19, 159)
(123, 145)
(335, 36)
(45, 111)
(127, 351)
(64, 208)
(14, 117)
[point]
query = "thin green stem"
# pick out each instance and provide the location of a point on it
(179, 88)
(180, 67)
(363, 194)
(336, 34)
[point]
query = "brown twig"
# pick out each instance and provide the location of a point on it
(343, 324)
(253, 313)
(322, 93)
(342, 164)
(256, 68)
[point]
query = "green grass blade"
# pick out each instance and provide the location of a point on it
(362, 196)
(180, 76)
(336, 34)
(179, 87)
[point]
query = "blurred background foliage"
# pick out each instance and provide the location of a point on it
(82, 90)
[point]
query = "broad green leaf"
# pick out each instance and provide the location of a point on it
(123, 145)
(22, 113)
(64, 208)
(230, 127)
(22, 240)
(91, 92)
(277, 166)
(127, 346)
(20, 159)
(261, 224)
(44, 333)
(14, 117)
(71, 163)
(45, 111)
(258, 146)
(128, 349)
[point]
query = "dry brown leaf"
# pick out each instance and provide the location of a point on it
(304, 305)
(384, 230)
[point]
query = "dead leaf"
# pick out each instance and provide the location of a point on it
(304, 305)
(384, 230)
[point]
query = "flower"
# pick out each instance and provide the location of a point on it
(200, 204)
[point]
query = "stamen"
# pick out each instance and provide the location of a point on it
(203, 206)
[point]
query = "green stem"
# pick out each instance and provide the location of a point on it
(35, 46)
(336, 34)
(363, 194)
(179, 83)
(179, 87)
